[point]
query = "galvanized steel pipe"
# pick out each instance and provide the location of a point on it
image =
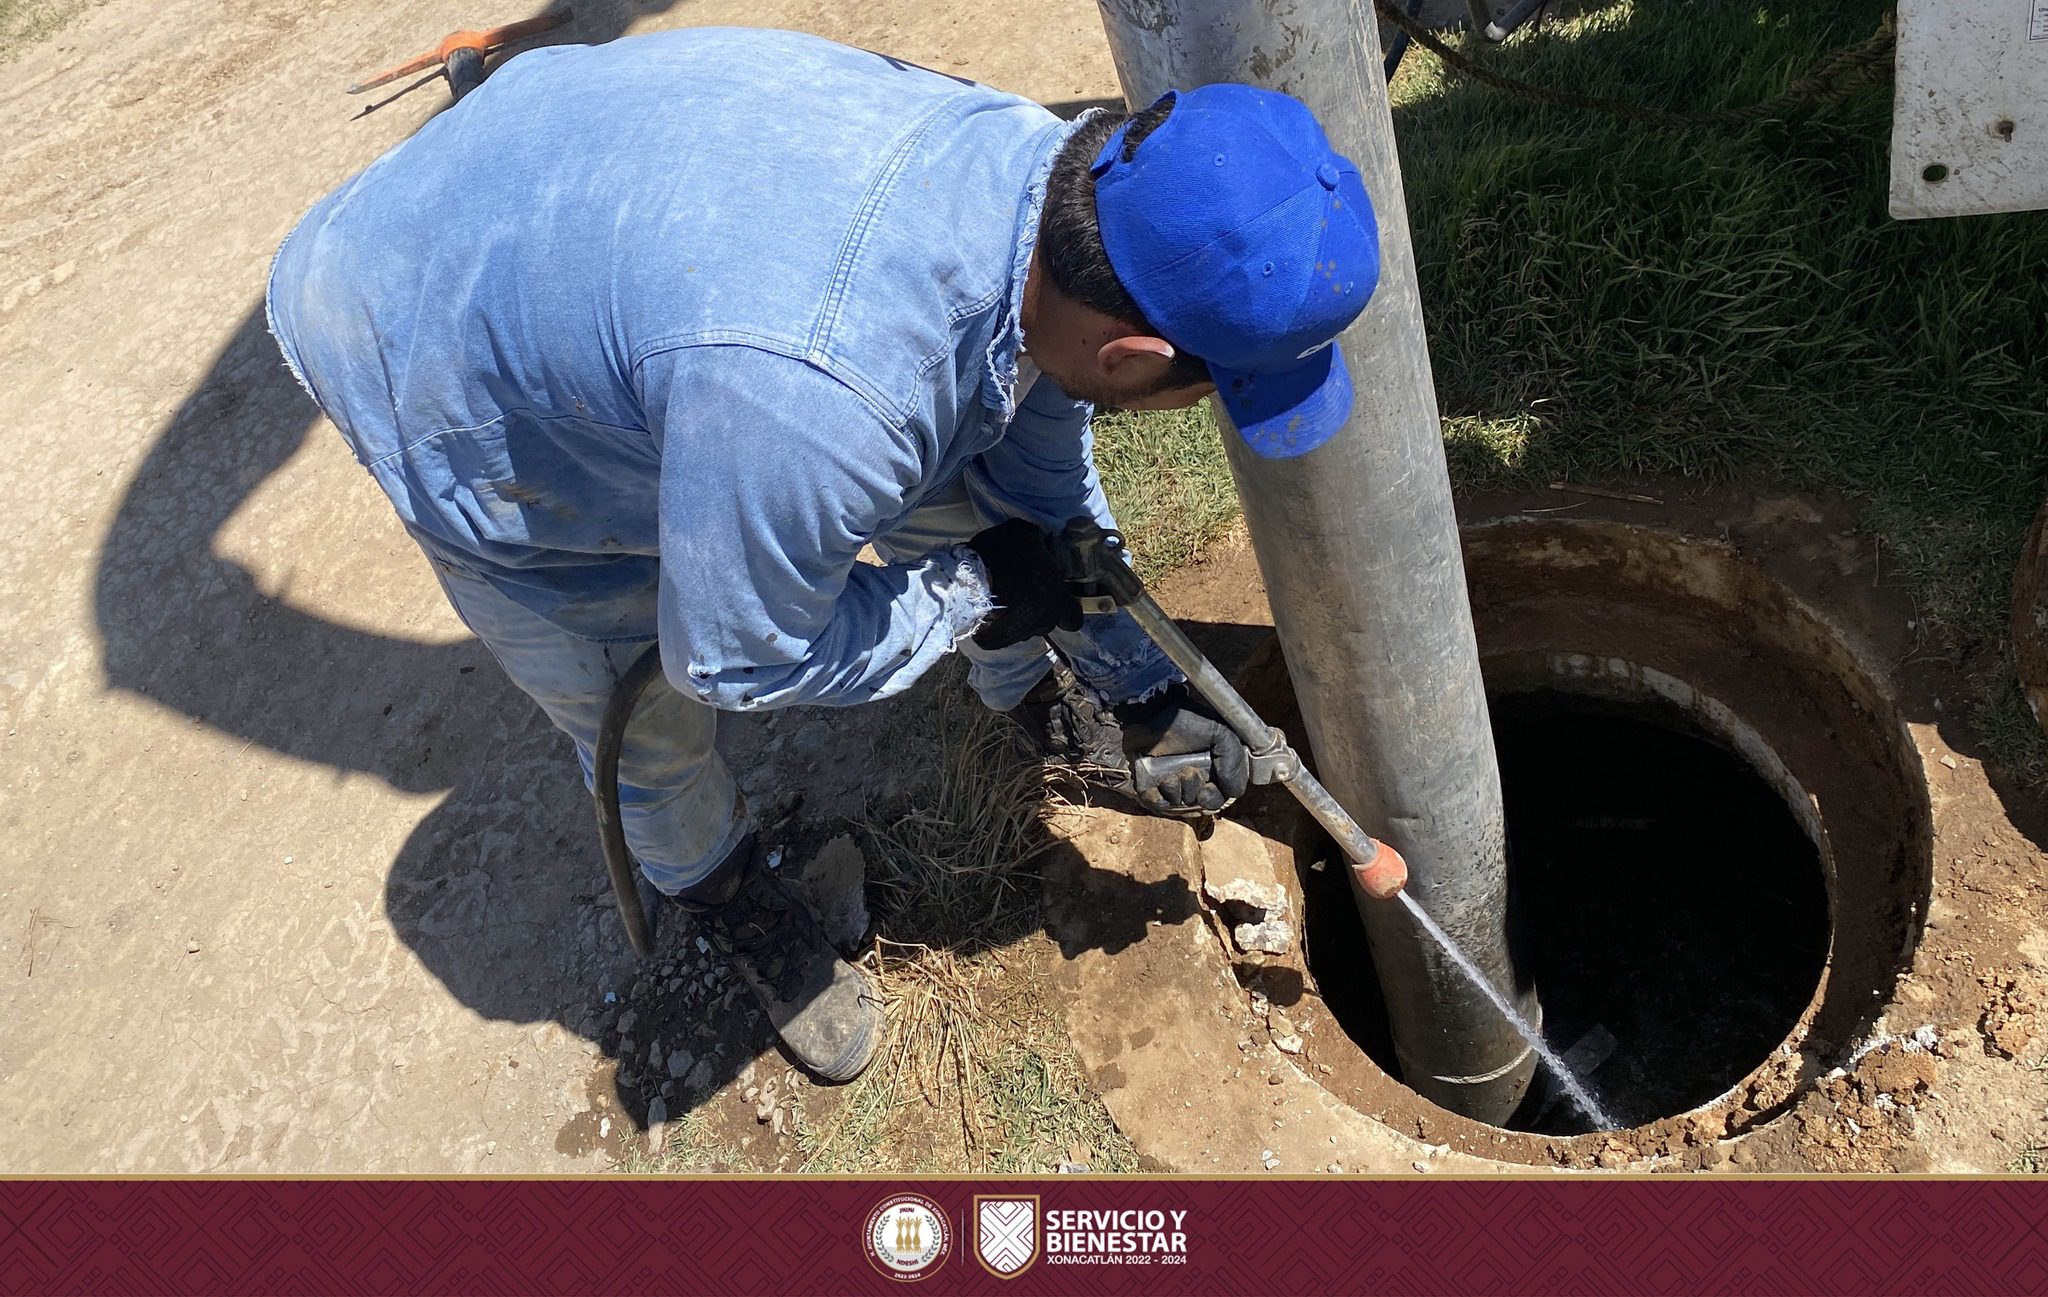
(1358, 545)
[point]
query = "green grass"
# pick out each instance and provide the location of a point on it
(22, 22)
(690, 1148)
(1167, 477)
(1607, 300)
(1043, 1111)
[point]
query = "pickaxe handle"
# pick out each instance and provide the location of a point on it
(483, 41)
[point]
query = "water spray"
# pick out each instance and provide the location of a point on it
(1093, 558)
(1574, 1088)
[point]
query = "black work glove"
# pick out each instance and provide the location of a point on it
(1177, 723)
(1025, 580)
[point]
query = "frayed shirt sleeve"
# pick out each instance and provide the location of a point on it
(1044, 470)
(774, 476)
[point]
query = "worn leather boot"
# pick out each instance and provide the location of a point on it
(824, 1008)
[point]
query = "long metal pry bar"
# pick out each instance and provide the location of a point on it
(1095, 569)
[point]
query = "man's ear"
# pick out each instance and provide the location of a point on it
(1135, 356)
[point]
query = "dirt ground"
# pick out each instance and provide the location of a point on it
(1944, 1070)
(292, 880)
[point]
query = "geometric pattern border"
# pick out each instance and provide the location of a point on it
(1592, 1235)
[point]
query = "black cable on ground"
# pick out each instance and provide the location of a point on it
(604, 792)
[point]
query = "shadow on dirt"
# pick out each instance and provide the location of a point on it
(1099, 909)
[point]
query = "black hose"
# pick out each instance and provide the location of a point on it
(604, 791)
(1511, 21)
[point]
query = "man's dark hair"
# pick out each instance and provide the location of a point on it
(1070, 237)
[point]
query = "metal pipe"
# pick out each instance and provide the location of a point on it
(1358, 544)
(1201, 673)
(1380, 871)
(1095, 568)
(1505, 26)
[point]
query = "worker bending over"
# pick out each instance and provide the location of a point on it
(649, 340)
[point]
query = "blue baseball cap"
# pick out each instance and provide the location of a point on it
(1248, 241)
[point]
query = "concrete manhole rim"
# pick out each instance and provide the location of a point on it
(1717, 575)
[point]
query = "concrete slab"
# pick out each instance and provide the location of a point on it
(1167, 1035)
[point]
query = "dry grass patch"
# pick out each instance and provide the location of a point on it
(976, 1073)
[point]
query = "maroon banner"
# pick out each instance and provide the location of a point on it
(1324, 1236)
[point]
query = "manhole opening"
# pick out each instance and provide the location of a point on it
(1621, 657)
(1668, 903)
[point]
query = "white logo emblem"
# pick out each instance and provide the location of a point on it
(1006, 1234)
(907, 1236)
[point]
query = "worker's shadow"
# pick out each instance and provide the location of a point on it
(499, 891)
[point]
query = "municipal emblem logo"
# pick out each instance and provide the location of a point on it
(1006, 1234)
(907, 1236)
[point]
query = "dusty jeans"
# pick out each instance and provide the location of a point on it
(678, 803)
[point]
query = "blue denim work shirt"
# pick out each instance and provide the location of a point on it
(713, 308)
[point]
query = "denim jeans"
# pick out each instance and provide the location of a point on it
(678, 804)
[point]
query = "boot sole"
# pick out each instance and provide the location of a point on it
(859, 1052)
